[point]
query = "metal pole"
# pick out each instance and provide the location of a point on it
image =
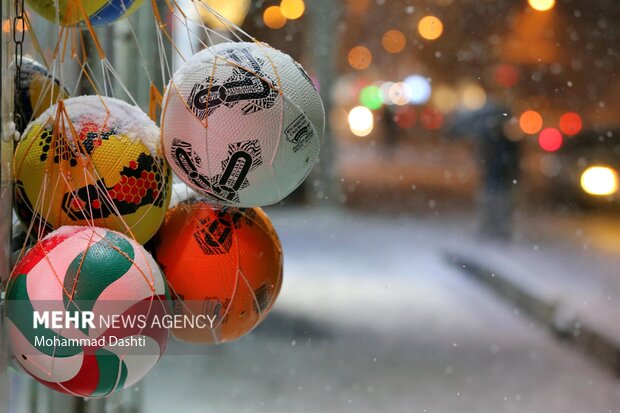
(6, 153)
(324, 15)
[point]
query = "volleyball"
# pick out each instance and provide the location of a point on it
(86, 270)
(92, 160)
(37, 91)
(225, 265)
(72, 12)
(242, 124)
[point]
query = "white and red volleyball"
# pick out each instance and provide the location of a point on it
(242, 124)
(87, 270)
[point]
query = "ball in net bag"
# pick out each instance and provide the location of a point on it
(92, 160)
(80, 270)
(224, 264)
(242, 124)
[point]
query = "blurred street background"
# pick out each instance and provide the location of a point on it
(373, 316)
(457, 247)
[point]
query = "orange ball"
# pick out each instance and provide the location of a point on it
(223, 264)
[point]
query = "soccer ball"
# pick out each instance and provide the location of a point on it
(37, 91)
(223, 264)
(241, 124)
(92, 161)
(79, 270)
(69, 12)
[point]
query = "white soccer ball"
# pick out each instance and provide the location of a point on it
(242, 124)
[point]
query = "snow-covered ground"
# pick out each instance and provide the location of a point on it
(371, 318)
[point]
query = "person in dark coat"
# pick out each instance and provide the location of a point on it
(498, 158)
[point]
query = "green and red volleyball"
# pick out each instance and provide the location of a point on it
(86, 270)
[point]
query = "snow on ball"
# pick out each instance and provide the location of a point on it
(92, 160)
(37, 90)
(225, 265)
(79, 270)
(70, 12)
(242, 124)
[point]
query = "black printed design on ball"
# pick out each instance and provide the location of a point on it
(243, 158)
(215, 235)
(143, 182)
(299, 132)
(264, 295)
(248, 84)
(189, 162)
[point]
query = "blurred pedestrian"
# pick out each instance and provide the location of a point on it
(498, 157)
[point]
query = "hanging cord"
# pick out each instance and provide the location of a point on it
(19, 32)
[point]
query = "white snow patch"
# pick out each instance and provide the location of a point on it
(124, 118)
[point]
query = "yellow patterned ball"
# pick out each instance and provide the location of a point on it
(92, 161)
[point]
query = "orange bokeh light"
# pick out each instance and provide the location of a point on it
(273, 17)
(570, 123)
(292, 9)
(530, 122)
(394, 41)
(360, 57)
(430, 27)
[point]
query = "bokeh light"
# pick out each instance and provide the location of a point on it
(473, 96)
(394, 41)
(420, 89)
(431, 118)
(273, 17)
(550, 139)
(360, 57)
(445, 99)
(234, 11)
(570, 123)
(541, 5)
(399, 93)
(385, 92)
(361, 121)
(405, 117)
(292, 9)
(599, 180)
(430, 27)
(506, 75)
(530, 122)
(370, 96)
